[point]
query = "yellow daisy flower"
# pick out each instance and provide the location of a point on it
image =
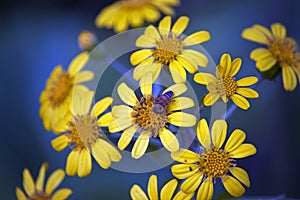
(150, 116)
(56, 97)
(35, 190)
(124, 13)
(136, 193)
(282, 52)
(83, 136)
(166, 47)
(87, 40)
(214, 162)
(224, 84)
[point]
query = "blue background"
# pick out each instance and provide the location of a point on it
(36, 36)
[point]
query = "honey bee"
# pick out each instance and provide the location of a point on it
(162, 101)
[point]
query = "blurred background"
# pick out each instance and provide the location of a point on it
(36, 36)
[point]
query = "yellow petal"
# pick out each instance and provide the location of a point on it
(136, 193)
(225, 62)
(180, 103)
(145, 41)
(41, 177)
(72, 163)
(101, 106)
(60, 143)
(126, 137)
(168, 190)
(183, 63)
(264, 30)
(140, 146)
(61, 194)
(183, 196)
(164, 25)
(152, 188)
(247, 92)
(84, 76)
(204, 78)
(127, 94)
(232, 186)
(54, 180)
(177, 71)
(218, 133)
(289, 78)
(101, 155)
(235, 140)
(235, 67)
(200, 58)
(210, 99)
(177, 89)
(180, 25)
(255, 35)
(85, 163)
(152, 32)
(182, 119)
(20, 194)
(206, 190)
(185, 156)
(105, 119)
(241, 175)
(247, 81)
(120, 22)
(151, 13)
(244, 150)
(78, 63)
(113, 153)
(203, 134)
(278, 30)
(183, 171)
(121, 111)
(240, 101)
(146, 83)
(191, 183)
(61, 125)
(144, 67)
(260, 53)
(139, 56)
(266, 63)
(28, 183)
(196, 38)
(169, 140)
(119, 124)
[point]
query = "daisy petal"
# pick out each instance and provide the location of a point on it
(101, 155)
(152, 32)
(60, 143)
(278, 30)
(167, 191)
(260, 54)
(232, 186)
(241, 175)
(127, 94)
(289, 78)
(177, 89)
(164, 25)
(105, 119)
(145, 41)
(196, 38)
(169, 140)
(187, 65)
(151, 13)
(180, 103)
(121, 111)
(20, 194)
(136, 193)
(225, 62)
(203, 133)
(219, 131)
(140, 146)
(54, 180)
(191, 183)
(78, 63)
(84, 76)
(247, 81)
(72, 163)
(139, 56)
(119, 124)
(113, 153)
(61, 194)
(204, 78)
(264, 30)
(200, 58)
(41, 177)
(266, 63)
(142, 68)
(183, 171)
(210, 99)
(206, 190)
(235, 67)
(28, 183)
(255, 36)
(85, 163)
(235, 140)
(240, 101)
(146, 83)
(247, 92)
(101, 106)
(152, 188)
(126, 137)
(182, 196)
(180, 25)
(185, 156)
(182, 119)
(244, 150)
(177, 72)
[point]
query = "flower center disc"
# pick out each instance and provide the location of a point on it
(84, 131)
(40, 196)
(147, 118)
(215, 163)
(133, 3)
(226, 86)
(167, 49)
(61, 89)
(284, 50)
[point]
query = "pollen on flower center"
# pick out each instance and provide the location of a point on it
(84, 131)
(146, 118)
(284, 51)
(167, 49)
(226, 86)
(60, 89)
(215, 163)
(41, 196)
(133, 3)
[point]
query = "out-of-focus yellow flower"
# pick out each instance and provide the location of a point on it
(166, 193)
(87, 40)
(83, 135)
(166, 47)
(281, 54)
(124, 13)
(35, 190)
(213, 162)
(56, 98)
(150, 115)
(224, 84)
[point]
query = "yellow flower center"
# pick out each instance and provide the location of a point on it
(215, 163)
(149, 118)
(40, 196)
(84, 131)
(284, 50)
(226, 86)
(60, 89)
(133, 3)
(167, 49)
